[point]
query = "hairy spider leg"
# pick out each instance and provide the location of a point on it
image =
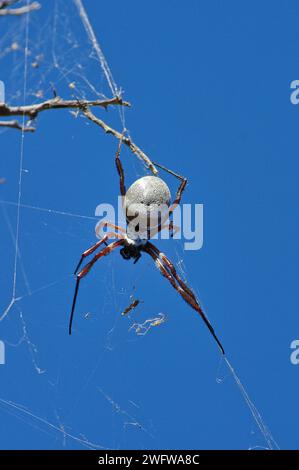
(85, 270)
(176, 201)
(181, 288)
(120, 169)
(105, 224)
(172, 269)
(94, 247)
(89, 251)
(180, 189)
(173, 229)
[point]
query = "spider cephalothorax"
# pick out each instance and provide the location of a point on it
(145, 204)
(132, 249)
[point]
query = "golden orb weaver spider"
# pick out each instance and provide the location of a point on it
(147, 192)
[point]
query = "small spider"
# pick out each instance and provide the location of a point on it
(146, 194)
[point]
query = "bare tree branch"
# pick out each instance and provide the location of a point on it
(56, 103)
(32, 111)
(4, 11)
(128, 142)
(16, 125)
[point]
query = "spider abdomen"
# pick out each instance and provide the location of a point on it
(147, 198)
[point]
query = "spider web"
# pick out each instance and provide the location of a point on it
(55, 51)
(45, 226)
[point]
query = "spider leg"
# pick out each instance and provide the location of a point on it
(177, 199)
(138, 258)
(173, 229)
(120, 169)
(89, 251)
(180, 189)
(94, 248)
(85, 270)
(180, 287)
(172, 270)
(104, 224)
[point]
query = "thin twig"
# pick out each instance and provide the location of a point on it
(33, 110)
(56, 103)
(18, 11)
(16, 125)
(118, 135)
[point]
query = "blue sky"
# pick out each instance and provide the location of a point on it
(209, 83)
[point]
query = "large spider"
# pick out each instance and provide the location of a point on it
(145, 193)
